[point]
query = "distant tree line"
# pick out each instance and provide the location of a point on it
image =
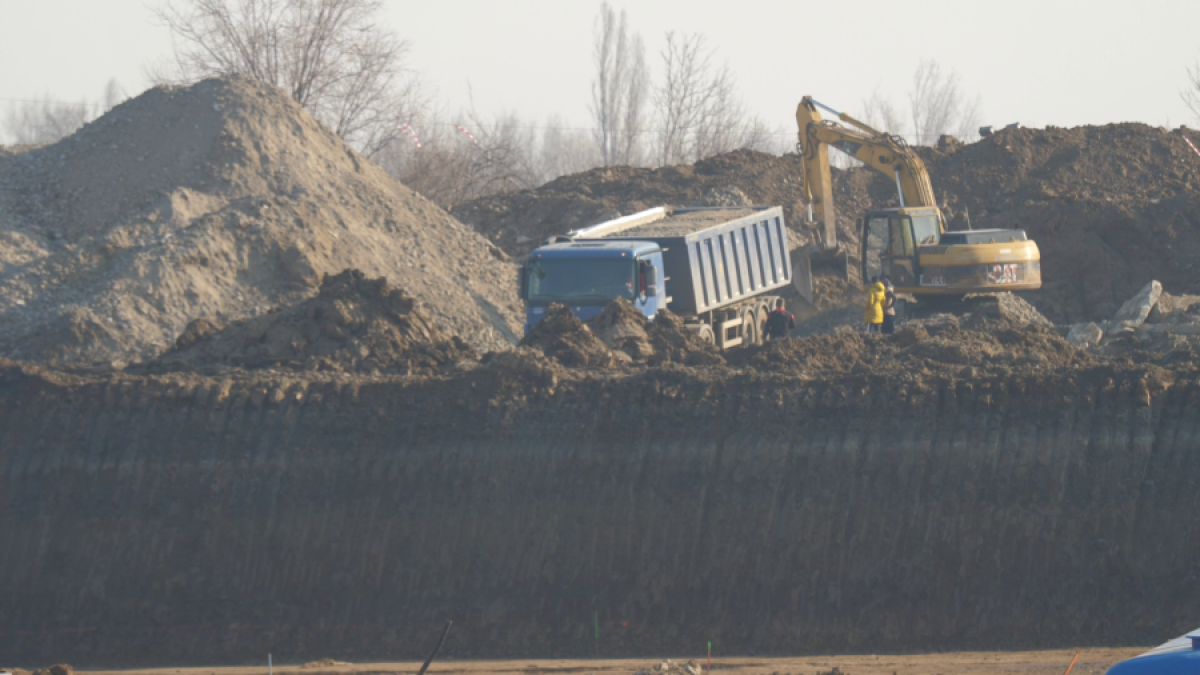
(339, 61)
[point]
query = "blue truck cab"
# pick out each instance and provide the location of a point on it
(587, 275)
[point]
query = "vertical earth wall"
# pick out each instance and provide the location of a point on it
(180, 518)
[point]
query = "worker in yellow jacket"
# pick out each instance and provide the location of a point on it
(873, 307)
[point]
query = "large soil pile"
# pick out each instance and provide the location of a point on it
(1110, 207)
(520, 221)
(354, 324)
(219, 201)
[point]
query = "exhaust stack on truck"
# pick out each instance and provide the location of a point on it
(713, 266)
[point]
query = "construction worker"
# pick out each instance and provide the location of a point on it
(780, 322)
(889, 306)
(873, 307)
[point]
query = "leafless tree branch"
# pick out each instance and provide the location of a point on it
(332, 56)
(1191, 95)
(619, 90)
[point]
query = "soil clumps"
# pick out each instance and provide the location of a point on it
(355, 324)
(619, 335)
(561, 336)
(675, 342)
(972, 346)
(223, 199)
(622, 327)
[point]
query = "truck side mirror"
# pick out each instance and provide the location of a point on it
(649, 278)
(524, 281)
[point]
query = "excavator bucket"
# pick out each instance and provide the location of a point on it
(802, 274)
(809, 260)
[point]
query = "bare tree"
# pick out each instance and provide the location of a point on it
(44, 120)
(698, 110)
(1191, 95)
(464, 160)
(878, 112)
(938, 106)
(114, 94)
(563, 150)
(619, 90)
(332, 56)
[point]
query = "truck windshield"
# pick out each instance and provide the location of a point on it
(580, 280)
(926, 230)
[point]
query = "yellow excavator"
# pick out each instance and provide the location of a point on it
(909, 244)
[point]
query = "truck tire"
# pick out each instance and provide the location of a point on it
(705, 333)
(751, 335)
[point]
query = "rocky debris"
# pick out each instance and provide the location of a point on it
(223, 199)
(1175, 309)
(621, 327)
(669, 667)
(1016, 309)
(354, 324)
(725, 195)
(1085, 335)
(1136, 309)
(1151, 327)
(561, 336)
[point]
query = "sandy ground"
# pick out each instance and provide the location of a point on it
(1091, 662)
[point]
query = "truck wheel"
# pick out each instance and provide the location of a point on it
(750, 333)
(705, 333)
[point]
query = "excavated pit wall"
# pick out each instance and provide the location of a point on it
(187, 519)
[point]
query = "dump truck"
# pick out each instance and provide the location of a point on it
(713, 266)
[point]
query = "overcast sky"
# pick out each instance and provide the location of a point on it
(1049, 62)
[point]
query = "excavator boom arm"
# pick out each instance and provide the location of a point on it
(887, 154)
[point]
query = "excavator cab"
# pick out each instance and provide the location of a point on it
(891, 240)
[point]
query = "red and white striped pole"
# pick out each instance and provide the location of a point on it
(468, 133)
(1189, 142)
(411, 133)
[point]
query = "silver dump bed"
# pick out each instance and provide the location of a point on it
(714, 256)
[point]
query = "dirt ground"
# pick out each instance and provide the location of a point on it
(1051, 662)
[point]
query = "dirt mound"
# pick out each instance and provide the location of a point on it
(976, 345)
(1110, 207)
(674, 342)
(622, 327)
(354, 324)
(222, 199)
(561, 336)
(520, 221)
